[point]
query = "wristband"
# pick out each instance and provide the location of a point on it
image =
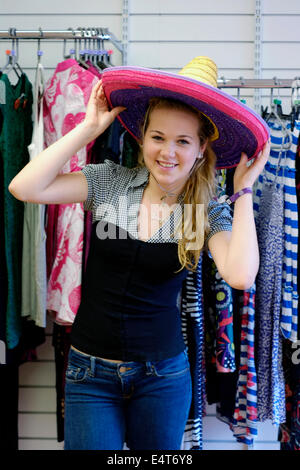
(234, 197)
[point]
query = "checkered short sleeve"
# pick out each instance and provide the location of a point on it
(99, 178)
(219, 217)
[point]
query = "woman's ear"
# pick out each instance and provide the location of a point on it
(202, 150)
(203, 147)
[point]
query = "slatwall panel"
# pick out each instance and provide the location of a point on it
(164, 34)
(168, 34)
(56, 15)
(37, 399)
(281, 45)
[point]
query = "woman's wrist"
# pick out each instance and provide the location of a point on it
(231, 199)
(239, 186)
(88, 131)
(240, 192)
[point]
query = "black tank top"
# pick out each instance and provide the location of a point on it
(129, 299)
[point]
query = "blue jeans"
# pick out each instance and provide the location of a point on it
(145, 404)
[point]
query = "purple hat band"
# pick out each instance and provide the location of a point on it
(240, 128)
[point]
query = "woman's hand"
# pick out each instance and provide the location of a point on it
(98, 117)
(245, 176)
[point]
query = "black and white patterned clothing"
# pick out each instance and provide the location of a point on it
(108, 182)
(129, 308)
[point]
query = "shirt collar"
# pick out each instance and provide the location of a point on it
(141, 177)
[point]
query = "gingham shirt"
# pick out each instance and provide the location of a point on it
(112, 186)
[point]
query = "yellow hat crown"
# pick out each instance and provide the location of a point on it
(203, 69)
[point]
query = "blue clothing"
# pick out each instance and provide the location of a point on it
(270, 378)
(276, 214)
(145, 404)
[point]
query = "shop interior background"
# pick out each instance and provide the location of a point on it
(163, 34)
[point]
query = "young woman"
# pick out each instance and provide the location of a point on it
(128, 378)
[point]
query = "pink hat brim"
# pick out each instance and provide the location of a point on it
(240, 128)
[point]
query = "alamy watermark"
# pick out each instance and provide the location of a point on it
(122, 221)
(296, 354)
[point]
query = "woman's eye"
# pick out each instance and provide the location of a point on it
(183, 141)
(157, 137)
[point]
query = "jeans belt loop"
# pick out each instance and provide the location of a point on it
(93, 366)
(149, 368)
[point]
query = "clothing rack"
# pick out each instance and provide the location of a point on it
(259, 83)
(102, 34)
(263, 83)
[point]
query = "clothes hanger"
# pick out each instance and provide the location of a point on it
(73, 51)
(295, 102)
(275, 117)
(8, 67)
(81, 59)
(12, 62)
(102, 64)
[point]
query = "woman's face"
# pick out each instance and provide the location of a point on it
(171, 146)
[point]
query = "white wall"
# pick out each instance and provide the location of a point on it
(164, 34)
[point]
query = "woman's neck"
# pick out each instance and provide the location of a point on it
(158, 195)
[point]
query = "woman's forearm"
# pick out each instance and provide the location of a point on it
(41, 171)
(242, 259)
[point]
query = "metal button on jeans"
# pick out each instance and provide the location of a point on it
(124, 369)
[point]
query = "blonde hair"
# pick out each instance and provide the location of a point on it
(200, 186)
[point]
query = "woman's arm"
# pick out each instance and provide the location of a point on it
(236, 253)
(39, 181)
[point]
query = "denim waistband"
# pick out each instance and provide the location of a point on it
(86, 359)
(82, 359)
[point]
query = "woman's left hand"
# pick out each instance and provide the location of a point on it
(245, 176)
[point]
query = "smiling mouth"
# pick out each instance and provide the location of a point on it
(167, 165)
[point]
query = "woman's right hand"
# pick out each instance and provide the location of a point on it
(98, 117)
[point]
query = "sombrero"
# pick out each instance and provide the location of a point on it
(237, 127)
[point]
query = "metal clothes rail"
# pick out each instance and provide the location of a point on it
(259, 83)
(102, 34)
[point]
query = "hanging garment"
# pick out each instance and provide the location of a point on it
(287, 178)
(289, 319)
(268, 339)
(16, 132)
(34, 279)
(225, 354)
(8, 364)
(65, 100)
(290, 436)
(289, 431)
(244, 424)
(192, 321)
(234, 391)
(220, 341)
(276, 193)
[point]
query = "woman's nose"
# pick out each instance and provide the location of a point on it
(168, 149)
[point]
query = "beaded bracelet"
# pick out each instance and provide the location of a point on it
(234, 197)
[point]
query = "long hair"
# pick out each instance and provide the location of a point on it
(199, 188)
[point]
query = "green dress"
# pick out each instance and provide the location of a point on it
(15, 136)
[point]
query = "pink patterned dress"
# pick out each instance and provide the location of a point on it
(65, 100)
